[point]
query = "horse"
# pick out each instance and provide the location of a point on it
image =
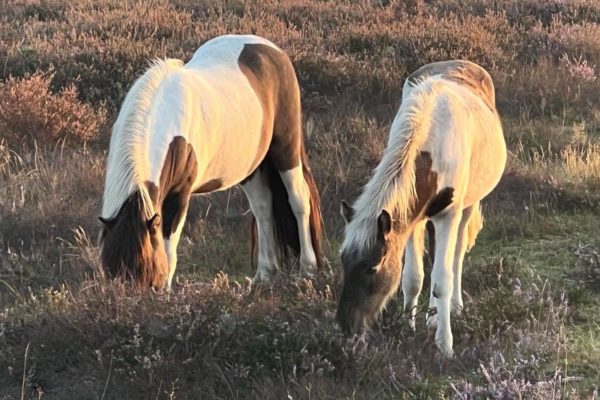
(231, 115)
(445, 153)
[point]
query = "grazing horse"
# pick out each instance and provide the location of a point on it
(446, 152)
(229, 116)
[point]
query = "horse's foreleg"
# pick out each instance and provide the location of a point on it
(260, 199)
(462, 240)
(446, 229)
(174, 211)
(171, 249)
(299, 198)
(412, 276)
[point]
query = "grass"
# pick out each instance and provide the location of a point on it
(530, 326)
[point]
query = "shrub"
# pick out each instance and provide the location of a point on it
(30, 112)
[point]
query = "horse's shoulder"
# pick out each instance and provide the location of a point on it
(463, 72)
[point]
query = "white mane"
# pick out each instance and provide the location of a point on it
(127, 166)
(392, 186)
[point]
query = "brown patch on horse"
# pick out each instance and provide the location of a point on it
(439, 202)
(131, 246)
(175, 187)
(463, 72)
(425, 181)
(272, 76)
(428, 200)
(210, 186)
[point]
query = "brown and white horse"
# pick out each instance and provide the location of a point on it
(229, 116)
(446, 152)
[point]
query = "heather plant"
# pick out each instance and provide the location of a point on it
(30, 113)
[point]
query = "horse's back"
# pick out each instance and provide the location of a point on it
(462, 72)
(217, 111)
(270, 74)
(244, 93)
(224, 51)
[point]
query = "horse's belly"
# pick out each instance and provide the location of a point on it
(231, 140)
(488, 159)
(469, 157)
(236, 154)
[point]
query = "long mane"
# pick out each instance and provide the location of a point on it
(392, 186)
(128, 164)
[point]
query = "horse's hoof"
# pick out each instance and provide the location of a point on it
(261, 280)
(456, 307)
(445, 353)
(308, 271)
(261, 277)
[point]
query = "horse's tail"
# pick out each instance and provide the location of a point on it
(474, 226)
(316, 218)
(285, 226)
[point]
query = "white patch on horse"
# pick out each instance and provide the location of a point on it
(127, 164)
(260, 198)
(299, 198)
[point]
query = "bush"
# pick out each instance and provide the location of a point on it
(30, 112)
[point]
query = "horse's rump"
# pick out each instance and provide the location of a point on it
(271, 74)
(462, 72)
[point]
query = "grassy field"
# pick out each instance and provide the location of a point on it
(531, 324)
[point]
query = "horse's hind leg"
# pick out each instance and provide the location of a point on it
(412, 276)
(299, 198)
(260, 199)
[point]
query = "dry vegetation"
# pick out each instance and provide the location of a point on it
(530, 328)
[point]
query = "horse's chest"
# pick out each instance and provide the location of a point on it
(179, 170)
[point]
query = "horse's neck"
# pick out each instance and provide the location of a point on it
(385, 191)
(392, 187)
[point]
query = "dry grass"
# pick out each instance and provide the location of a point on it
(530, 324)
(220, 340)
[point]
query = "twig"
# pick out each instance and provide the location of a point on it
(158, 392)
(10, 288)
(24, 372)
(108, 377)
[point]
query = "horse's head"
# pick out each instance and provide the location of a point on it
(132, 246)
(372, 270)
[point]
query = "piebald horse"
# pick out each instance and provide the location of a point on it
(231, 115)
(445, 153)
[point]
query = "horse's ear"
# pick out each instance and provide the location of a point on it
(153, 224)
(347, 211)
(384, 223)
(108, 223)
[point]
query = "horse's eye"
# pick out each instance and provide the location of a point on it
(372, 270)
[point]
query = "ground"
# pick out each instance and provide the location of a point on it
(530, 328)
